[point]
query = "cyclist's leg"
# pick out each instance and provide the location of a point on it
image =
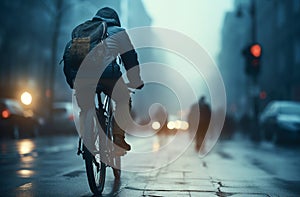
(122, 117)
(84, 97)
(120, 95)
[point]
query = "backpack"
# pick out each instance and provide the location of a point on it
(84, 38)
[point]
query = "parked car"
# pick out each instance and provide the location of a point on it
(15, 121)
(63, 118)
(280, 122)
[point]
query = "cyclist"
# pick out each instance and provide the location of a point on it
(112, 75)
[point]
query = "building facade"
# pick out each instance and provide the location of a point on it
(277, 30)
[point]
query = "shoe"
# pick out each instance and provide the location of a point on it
(120, 141)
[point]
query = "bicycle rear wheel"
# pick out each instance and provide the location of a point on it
(96, 171)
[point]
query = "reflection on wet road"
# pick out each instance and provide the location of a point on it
(50, 166)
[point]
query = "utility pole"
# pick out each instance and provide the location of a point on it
(252, 54)
(253, 13)
(253, 20)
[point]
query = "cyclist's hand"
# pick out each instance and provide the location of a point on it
(140, 87)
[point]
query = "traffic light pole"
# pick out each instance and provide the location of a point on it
(252, 54)
(253, 14)
(253, 18)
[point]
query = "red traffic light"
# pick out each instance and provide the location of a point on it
(262, 95)
(255, 50)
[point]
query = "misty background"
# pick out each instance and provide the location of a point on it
(33, 35)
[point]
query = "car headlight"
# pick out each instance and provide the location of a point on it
(26, 98)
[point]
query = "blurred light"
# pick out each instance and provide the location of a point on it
(255, 50)
(27, 159)
(156, 125)
(25, 173)
(184, 125)
(155, 146)
(177, 124)
(255, 62)
(171, 125)
(26, 98)
(71, 117)
(262, 95)
(25, 146)
(27, 162)
(28, 113)
(25, 187)
(5, 113)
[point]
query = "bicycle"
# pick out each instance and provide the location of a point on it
(103, 155)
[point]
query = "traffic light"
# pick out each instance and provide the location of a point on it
(252, 55)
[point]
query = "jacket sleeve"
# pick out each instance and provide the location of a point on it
(131, 64)
(69, 72)
(130, 60)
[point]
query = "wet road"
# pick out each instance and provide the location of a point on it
(50, 167)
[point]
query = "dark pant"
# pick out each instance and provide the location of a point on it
(118, 91)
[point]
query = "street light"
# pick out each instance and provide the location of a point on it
(26, 98)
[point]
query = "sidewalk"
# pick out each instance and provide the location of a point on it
(217, 174)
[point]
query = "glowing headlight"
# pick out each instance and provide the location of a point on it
(26, 98)
(171, 125)
(155, 125)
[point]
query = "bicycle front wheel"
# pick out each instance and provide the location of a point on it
(96, 171)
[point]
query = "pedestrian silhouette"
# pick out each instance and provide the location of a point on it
(200, 126)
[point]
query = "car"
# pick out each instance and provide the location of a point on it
(63, 118)
(15, 121)
(280, 122)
